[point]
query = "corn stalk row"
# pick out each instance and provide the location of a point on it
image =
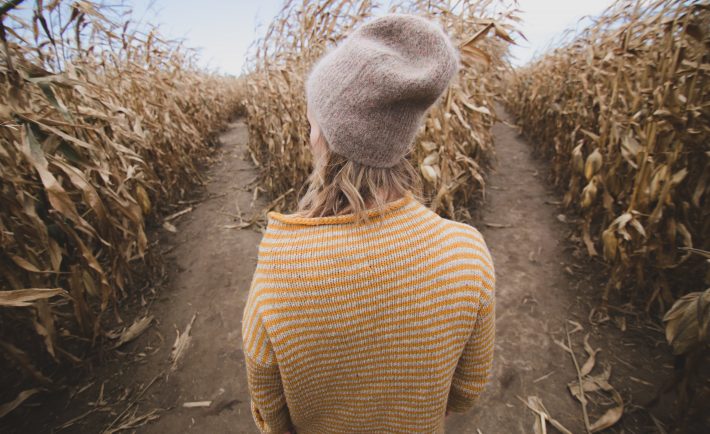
(99, 124)
(453, 148)
(622, 112)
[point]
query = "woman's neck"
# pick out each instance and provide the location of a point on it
(371, 202)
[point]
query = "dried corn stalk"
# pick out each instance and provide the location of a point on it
(622, 111)
(99, 125)
(453, 147)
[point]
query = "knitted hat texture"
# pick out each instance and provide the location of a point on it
(370, 93)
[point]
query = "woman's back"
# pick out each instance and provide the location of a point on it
(373, 328)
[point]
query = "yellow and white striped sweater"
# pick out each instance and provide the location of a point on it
(368, 329)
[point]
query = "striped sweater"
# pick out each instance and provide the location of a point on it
(374, 328)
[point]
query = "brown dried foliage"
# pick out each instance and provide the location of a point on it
(622, 112)
(98, 123)
(454, 146)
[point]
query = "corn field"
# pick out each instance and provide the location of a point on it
(454, 147)
(622, 112)
(104, 125)
(100, 124)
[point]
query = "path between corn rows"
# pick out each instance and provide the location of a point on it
(541, 285)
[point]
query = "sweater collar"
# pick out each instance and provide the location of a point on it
(339, 219)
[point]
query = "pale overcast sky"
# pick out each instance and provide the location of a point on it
(223, 29)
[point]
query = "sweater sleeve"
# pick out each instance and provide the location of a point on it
(268, 402)
(474, 367)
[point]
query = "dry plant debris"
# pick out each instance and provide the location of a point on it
(134, 330)
(586, 383)
(535, 404)
(21, 397)
(197, 404)
(182, 342)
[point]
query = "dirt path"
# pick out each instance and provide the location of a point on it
(546, 285)
(541, 285)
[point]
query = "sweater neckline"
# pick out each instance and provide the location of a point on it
(343, 218)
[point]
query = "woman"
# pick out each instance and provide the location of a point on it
(368, 312)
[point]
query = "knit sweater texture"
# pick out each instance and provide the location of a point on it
(372, 328)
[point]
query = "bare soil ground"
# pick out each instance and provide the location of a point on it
(546, 288)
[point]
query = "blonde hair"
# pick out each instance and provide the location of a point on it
(338, 186)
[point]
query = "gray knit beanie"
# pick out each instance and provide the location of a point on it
(369, 94)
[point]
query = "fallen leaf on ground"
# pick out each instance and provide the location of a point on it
(136, 329)
(577, 326)
(591, 383)
(611, 416)
(182, 342)
(600, 382)
(535, 404)
(598, 316)
(591, 360)
(21, 397)
(169, 227)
